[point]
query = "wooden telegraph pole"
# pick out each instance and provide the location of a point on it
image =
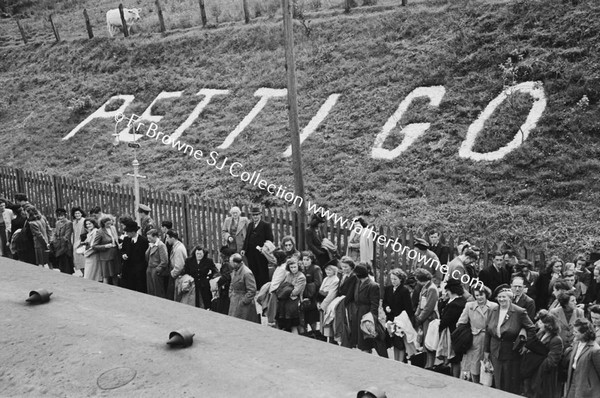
(246, 12)
(288, 29)
(56, 35)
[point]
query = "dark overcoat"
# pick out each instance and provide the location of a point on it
(133, 273)
(257, 262)
(241, 295)
(202, 273)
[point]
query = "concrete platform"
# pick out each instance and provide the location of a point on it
(98, 340)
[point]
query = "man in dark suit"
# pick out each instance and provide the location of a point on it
(521, 299)
(133, 252)
(257, 234)
(441, 251)
(495, 275)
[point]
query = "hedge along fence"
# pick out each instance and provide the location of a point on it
(163, 15)
(199, 221)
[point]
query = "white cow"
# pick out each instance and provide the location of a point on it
(113, 19)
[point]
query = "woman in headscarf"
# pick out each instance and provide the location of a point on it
(288, 245)
(503, 328)
(202, 269)
(396, 299)
(234, 230)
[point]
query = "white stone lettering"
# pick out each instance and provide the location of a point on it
(125, 136)
(412, 131)
(265, 94)
(539, 104)
(101, 113)
(315, 121)
(208, 95)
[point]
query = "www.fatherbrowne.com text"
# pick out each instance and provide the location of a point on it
(236, 170)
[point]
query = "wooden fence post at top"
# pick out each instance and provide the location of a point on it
(56, 35)
(202, 12)
(160, 16)
(22, 31)
(123, 21)
(88, 25)
(246, 12)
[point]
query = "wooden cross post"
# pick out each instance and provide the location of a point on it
(56, 35)
(88, 25)
(123, 21)
(246, 12)
(202, 13)
(23, 36)
(160, 16)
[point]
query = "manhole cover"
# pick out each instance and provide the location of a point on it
(115, 378)
(425, 382)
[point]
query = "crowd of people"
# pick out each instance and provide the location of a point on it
(530, 332)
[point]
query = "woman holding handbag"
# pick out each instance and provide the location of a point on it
(427, 308)
(288, 312)
(502, 334)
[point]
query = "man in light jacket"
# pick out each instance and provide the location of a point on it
(177, 261)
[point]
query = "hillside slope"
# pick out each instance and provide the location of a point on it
(542, 193)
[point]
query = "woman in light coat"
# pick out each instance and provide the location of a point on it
(476, 314)
(106, 245)
(234, 230)
(78, 216)
(567, 313)
(91, 266)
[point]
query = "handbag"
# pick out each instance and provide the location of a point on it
(486, 373)
(432, 338)
(462, 338)
(284, 291)
(530, 363)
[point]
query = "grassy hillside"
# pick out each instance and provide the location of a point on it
(543, 193)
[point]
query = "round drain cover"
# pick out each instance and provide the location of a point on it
(115, 378)
(425, 382)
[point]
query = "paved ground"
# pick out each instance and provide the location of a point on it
(97, 340)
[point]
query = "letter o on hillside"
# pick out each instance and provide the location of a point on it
(246, 178)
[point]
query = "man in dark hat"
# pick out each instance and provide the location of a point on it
(134, 265)
(424, 258)
(145, 220)
(61, 242)
(257, 234)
